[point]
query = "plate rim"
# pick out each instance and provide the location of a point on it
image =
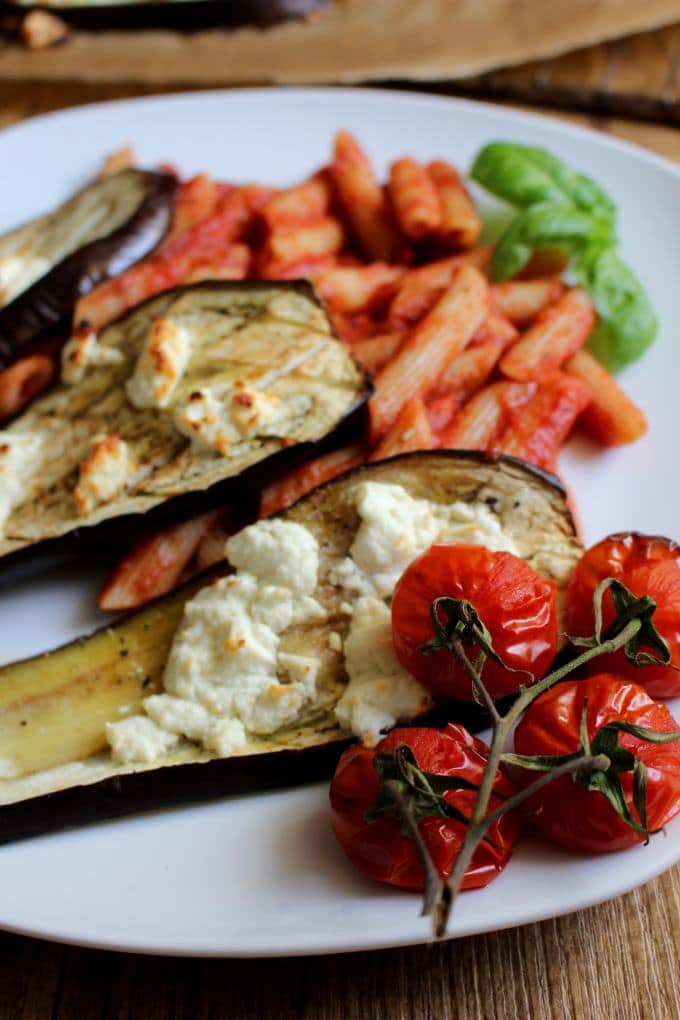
(510, 115)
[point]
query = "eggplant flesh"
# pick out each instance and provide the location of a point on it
(53, 708)
(180, 14)
(273, 340)
(47, 264)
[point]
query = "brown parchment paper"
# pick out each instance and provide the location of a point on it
(352, 40)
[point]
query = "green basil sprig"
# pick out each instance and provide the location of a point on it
(563, 209)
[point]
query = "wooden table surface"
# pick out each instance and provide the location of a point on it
(618, 961)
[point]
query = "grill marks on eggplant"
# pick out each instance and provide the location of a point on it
(51, 261)
(66, 696)
(274, 337)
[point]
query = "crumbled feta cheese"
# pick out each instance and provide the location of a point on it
(346, 574)
(202, 421)
(104, 474)
(225, 736)
(277, 552)
(396, 528)
(83, 351)
(138, 739)
(185, 718)
(20, 456)
(219, 421)
(380, 692)
(160, 366)
(226, 675)
(191, 720)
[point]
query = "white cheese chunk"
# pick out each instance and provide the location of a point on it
(21, 454)
(191, 720)
(396, 528)
(380, 692)
(220, 421)
(277, 552)
(104, 474)
(83, 351)
(138, 739)
(160, 366)
(203, 421)
(226, 676)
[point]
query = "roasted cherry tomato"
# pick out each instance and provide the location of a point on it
(516, 604)
(647, 566)
(380, 850)
(568, 813)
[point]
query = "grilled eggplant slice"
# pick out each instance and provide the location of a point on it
(180, 14)
(250, 371)
(53, 708)
(47, 264)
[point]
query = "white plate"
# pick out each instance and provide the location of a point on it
(261, 875)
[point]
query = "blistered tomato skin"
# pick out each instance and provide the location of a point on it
(567, 813)
(647, 565)
(380, 850)
(516, 604)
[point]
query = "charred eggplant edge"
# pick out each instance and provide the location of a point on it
(117, 530)
(281, 767)
(51, 297)
(183, 14)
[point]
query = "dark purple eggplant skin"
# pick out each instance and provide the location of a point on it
(187, 15)
(52, 297)
(175, 786)
(242, 491)
(183, 785)
(172, 786)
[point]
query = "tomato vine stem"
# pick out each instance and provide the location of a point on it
(441, 900)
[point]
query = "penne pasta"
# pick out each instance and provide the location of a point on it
(208, 242)
(559, 331)
(410, 431)
(483, 417)
(472, 367)
(309, 268)
(23, 381)
(285, 491)
(300, 205)
(437, 339)
(537, 432)
(611, 417)
(121, 159)
(442, 408)
(288, 244)
(362, 200)
(210, 549)
(375, 352)
(354, 329)
(196, 200)
(234, 265)
(460, 224)
(520, 301)
(415, 200)
(155, 565)
(364, 289)
(420, 288)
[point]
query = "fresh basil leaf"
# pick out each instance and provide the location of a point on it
(628, 319)
(524, 175)
(546, 225)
